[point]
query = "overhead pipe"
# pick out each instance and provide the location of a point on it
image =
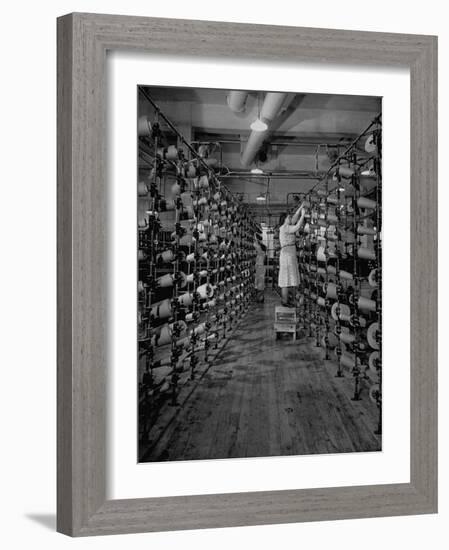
(237, 101)
(271, 106)
(254, 143)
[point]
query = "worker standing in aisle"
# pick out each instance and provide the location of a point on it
(288, 262)
(260, 269)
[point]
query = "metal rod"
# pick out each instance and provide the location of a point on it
(287, 175)
(211, 174)
(375, 121)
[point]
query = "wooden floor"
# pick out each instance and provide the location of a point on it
(266, 397)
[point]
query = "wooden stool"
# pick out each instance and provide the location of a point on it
(285, 320)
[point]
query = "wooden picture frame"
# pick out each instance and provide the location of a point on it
(83, 40)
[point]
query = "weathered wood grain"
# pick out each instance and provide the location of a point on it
(271, 392)
(83, 40)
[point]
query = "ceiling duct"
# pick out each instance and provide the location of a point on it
(270, 109)
(253, 144)
(237, 101)
(271, 106)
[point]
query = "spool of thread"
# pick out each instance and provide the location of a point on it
(366, 304)
(345, 171)
(321, 254)
(165, 387)
(366, 253)
(161, 310)
(192, 171)
(362, 321)
(165, 257)
(200, 329)
(140, 287)
(372, 335)
(176, 189)
(165, 281)
(164, 334)
(348, 360)
(190, 257)
(373, 361)
(364, 230)
(182, 279)
(370, 144)
(331, 290)
(345, 275)
(186, 240)
(347, 236)
(374, 392)
(345, 318)
(186, 299)
(203, 182)
(344, 310)
(142, 189)
(372, 278)
(211, 162)
(141, 255)
(205, 291)
(144, 126)
(171, 153)
(202, 274)
(321, 301)
(363, 202)
(200, 202)
(347, 337)
(203, 150)
(186, 198)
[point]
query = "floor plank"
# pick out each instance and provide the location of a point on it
(267, 397)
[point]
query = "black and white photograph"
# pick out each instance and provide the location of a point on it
(259, 288)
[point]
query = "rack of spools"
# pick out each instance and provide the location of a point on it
(196, 263)
(340, 260)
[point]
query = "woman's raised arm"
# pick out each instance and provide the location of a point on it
(296, 214)
(294, 228)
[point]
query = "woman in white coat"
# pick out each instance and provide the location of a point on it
(288, 261)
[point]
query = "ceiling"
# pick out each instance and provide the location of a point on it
(300, 141)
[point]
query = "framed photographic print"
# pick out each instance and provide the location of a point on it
(247, 289)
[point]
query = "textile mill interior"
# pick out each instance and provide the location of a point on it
(259, 286)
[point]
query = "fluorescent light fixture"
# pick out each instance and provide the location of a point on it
(259, 126)
(341, 189)
(256, 171)
(261, 198)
